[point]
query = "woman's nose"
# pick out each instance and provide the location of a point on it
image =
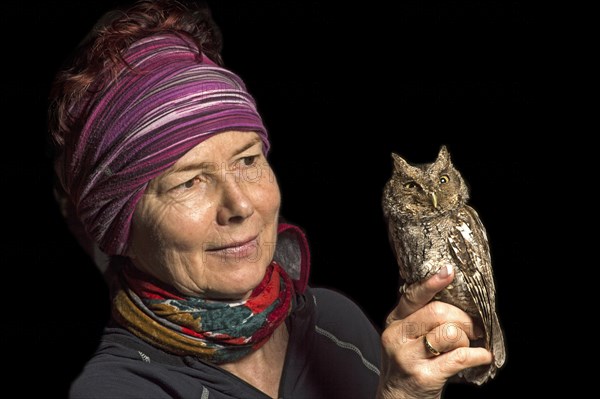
(236, 205)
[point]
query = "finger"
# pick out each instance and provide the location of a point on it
(418, 294)
(444, 338)
(436, 314)
(455, 361)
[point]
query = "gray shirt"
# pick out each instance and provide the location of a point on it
(333, 352)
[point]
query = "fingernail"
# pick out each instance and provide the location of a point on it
(445, 271)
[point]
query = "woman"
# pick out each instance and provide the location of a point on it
(162, 156)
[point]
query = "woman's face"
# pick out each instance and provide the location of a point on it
(208, 225)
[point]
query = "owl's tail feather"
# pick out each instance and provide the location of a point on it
(497, 338)
(480, 374)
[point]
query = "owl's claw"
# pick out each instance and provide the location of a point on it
(402, 289)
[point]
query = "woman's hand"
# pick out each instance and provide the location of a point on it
(410, 369)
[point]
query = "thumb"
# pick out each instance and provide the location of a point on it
(420, 293)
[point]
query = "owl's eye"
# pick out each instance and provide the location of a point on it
(410, 184)
(444, 179)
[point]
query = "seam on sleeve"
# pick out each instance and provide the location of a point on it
(347, 345)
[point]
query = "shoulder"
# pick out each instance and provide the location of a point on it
(334, 307)
(123, 367)
(334, 303)
(340, 321)
(341, 345)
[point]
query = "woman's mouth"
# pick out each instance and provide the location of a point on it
(237, 249)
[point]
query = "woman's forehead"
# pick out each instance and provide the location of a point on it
(218, 148)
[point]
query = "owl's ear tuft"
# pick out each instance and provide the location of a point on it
(400, 165)
(443, 155)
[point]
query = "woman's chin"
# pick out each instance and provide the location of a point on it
(235, 284)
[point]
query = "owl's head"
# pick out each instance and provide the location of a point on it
(422, 191)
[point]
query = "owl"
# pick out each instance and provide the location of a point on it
(430, 225)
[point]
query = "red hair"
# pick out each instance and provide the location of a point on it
(99, 55)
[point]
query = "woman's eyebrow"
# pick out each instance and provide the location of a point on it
(249, 144)
(208, 166)
(211, 166)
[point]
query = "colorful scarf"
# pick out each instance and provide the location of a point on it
(216, 331)
(128, 130)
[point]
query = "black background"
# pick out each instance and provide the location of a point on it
(340, 87)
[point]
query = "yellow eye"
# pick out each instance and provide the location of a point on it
(410, 184)
(444, 179)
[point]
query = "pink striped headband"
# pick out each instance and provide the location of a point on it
(141, 123)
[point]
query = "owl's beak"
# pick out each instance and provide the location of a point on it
(434, 200)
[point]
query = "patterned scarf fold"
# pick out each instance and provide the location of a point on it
(216, 331)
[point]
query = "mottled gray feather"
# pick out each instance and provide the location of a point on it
(430, 225)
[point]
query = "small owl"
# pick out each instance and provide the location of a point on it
(430, 225)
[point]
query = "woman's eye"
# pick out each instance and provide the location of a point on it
(188, 184)
(249, 161)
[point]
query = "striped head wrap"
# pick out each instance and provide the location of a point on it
(168, 99)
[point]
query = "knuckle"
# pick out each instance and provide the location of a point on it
(397, 334)
(388, 337)
(410, 296)
(459, 357)
(439, 310)
(453, 334)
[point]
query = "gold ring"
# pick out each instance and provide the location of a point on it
(430, 348)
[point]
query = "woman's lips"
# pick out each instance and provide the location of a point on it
(238, 249)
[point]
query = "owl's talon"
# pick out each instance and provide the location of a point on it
(433, 231)
(402, 289)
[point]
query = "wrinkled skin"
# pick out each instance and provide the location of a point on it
(208, 225)
(409, 370)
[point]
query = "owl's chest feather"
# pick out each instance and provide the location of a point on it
(422, 247)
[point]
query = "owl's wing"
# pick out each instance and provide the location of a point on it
(469, 245)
